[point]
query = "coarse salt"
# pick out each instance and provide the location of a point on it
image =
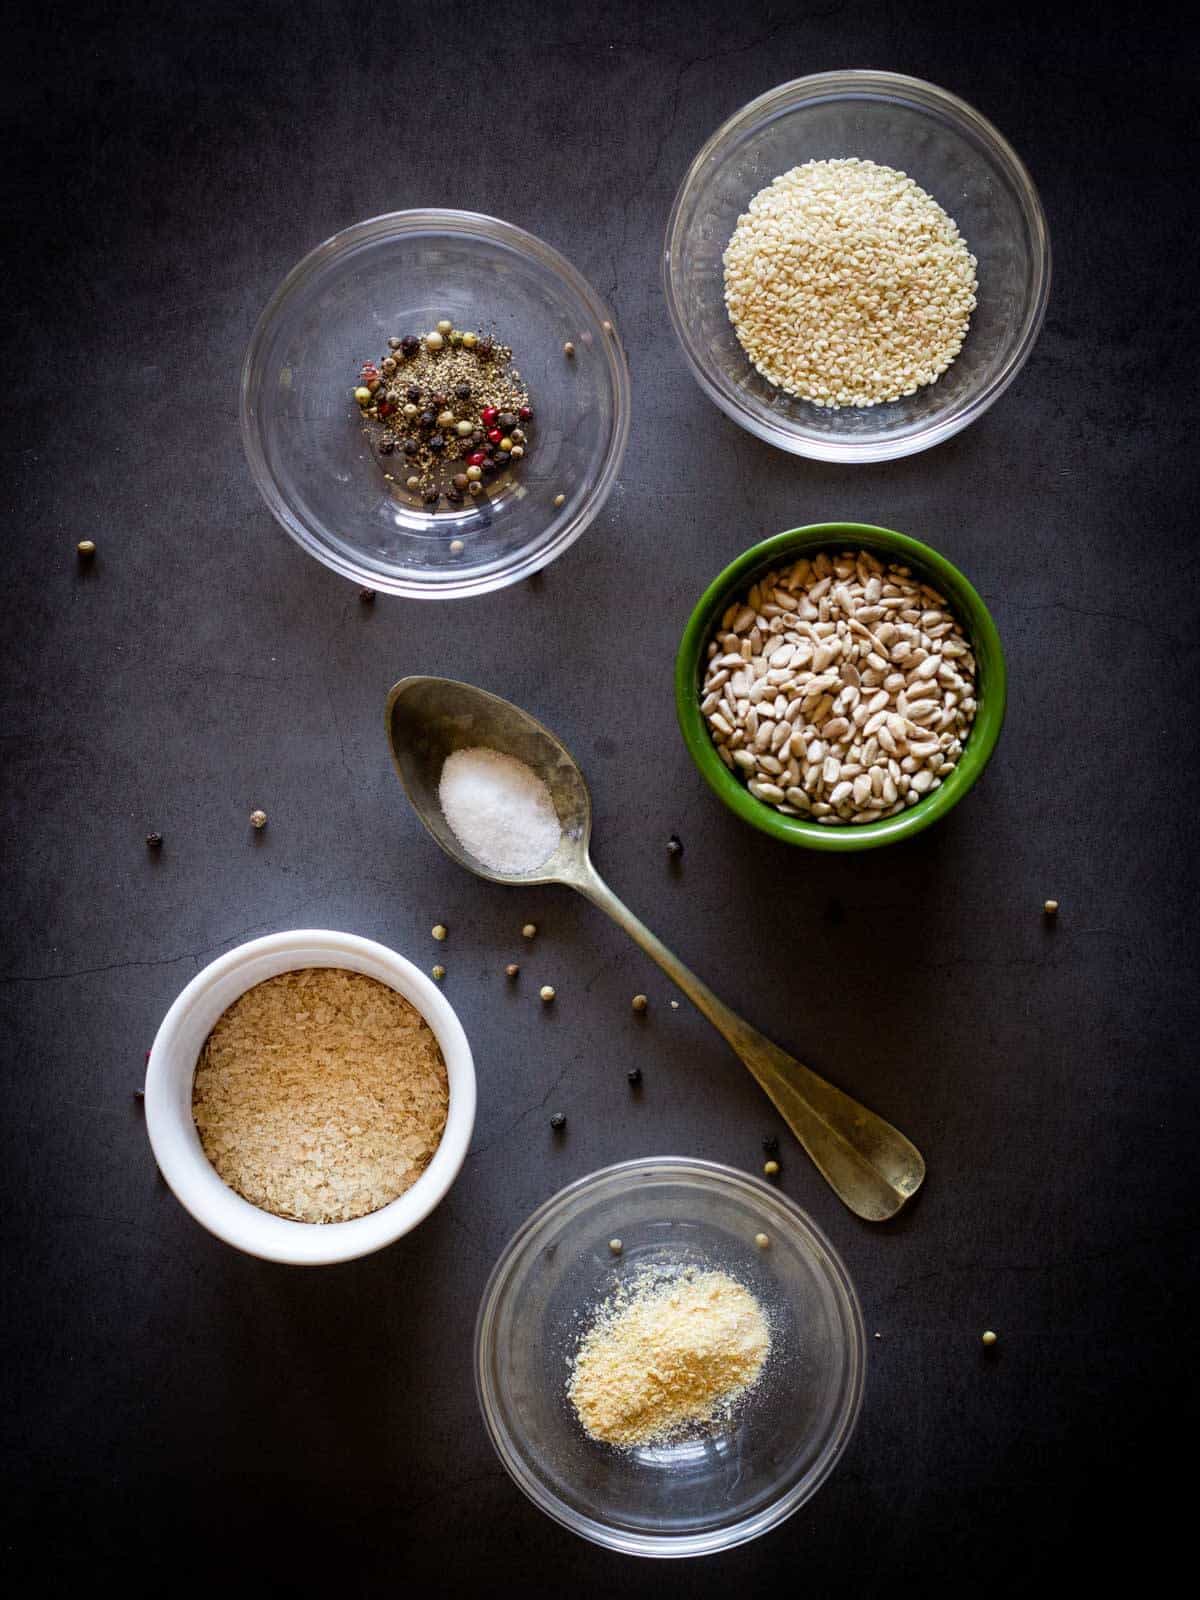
(498, 809)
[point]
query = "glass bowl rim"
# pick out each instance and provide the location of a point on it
(485, 229)
(787, 1214)
(972, 612)
(865, 83)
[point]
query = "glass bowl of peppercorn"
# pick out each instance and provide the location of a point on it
(435, 404)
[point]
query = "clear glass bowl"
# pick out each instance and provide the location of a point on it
(947, 148)
(309, 449)
(745, 1476)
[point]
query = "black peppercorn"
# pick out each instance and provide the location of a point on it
(428, 418)
(501, 458)
(460, 481)
(366, 596)
(154, 840)
(558, 1121)
(436, 442)
(438, 400)
(489, 465)
(386, 446)
(413, 394)
(506, 420)
(410, 344)
(675, 846)
(634, 1075)
(454, 495)
(411, 447)
(462, 391)
(771, 1144)
(485, 348)
(431, 497)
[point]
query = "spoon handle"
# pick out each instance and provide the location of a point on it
(869, 1164)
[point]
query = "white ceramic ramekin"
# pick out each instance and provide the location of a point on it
(176, 1144)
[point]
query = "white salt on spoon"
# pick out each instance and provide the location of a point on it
(498, 809)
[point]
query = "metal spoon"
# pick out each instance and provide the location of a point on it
(867, 1162)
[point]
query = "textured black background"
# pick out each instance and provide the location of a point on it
(177, 1410)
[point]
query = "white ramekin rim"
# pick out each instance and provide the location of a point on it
(176, 1144)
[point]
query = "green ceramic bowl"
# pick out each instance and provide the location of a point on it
(778, 551)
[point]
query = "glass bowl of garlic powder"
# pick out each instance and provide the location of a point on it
(669, 1357)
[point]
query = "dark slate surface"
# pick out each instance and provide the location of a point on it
(175, 1409)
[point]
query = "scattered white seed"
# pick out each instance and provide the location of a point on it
(762, 1240)
(615, 1246)
(438, 930)
(546, 993)
(258, 819)
(529, 931)
(989, 1337)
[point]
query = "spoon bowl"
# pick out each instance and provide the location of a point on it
(429, 718)
(869, 1164)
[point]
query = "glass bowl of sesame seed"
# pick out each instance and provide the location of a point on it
(421, 278)
(704, 1485)
(833, 322)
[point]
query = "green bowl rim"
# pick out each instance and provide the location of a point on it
(968, 606)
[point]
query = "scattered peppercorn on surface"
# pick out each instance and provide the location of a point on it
(848, 285)
(452, 413)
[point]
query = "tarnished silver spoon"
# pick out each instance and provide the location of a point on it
(868, 1163)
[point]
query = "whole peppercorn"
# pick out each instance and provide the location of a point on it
(154, 840)
(675, 847)
(473, 472)
(445, 419)
(462, 391)
(489, 465)
(568, 349)
(455, 337)
(394, 343)
(412, 483)
(502, 458)
(771, 1168)
(366, 596)
(412, 393)
(507, 420)
(438, 973)
(455, 498)
(456, 545)
(445, 325)
(469, 341)
(428, 418)
(546, 993)
(525, 412)
(559, 500)
(762, 1240)
(486, 347)
(640, 1002)
(506, 443)
(558, 1121)
(434, 340)
(410, 344)
(1050, 909)
(517, 451)
(475, 459)
(464, 430)
(770, 1144)
(511, 970)
(411, 447)
(989, 1338)
(386, 446)
(411, 411)
(437, 399)
(431, 497)
(439, 930)
(86, 549)
(460, 480)
(518, 435)
(363, 395)
(258, 819)
(388, 365)
(475, 489)
(436, 442)
(615, 1246)
(634, 1076)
